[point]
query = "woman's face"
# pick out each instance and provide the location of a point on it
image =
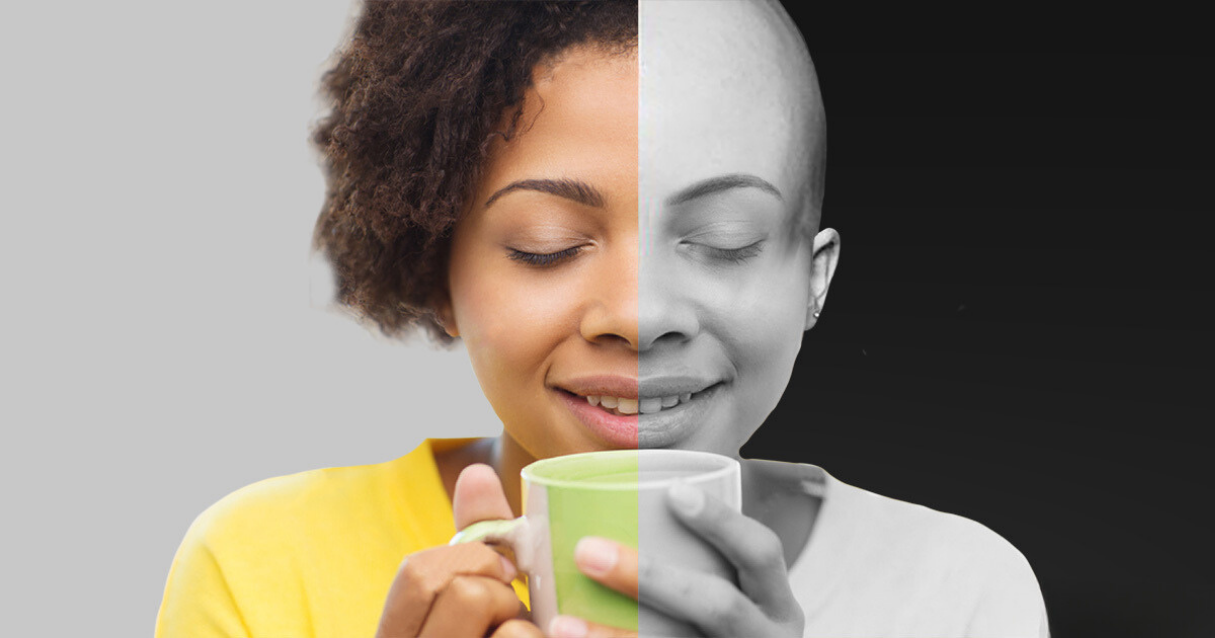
(680, 292)
(544, 264)
(727, 285)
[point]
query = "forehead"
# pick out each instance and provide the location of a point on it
(579, 121)
(726, 87)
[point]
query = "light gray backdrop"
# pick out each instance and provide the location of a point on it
(165, 338)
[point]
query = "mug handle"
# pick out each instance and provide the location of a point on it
(515, 534)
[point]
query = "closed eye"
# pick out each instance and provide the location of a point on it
(736, 255)
(543, 260)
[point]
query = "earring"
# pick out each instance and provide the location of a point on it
(812, 320)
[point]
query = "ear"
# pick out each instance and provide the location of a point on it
(822, 268)
(444, 313)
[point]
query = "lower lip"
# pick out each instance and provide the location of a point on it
(616, 431)
(668, 427)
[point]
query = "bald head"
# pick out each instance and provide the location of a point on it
(728, 88)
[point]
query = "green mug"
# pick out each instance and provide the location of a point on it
(619, 495)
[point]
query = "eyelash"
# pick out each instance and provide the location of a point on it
(736, 255)
(544, 260)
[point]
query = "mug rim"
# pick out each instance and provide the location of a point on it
(727, 467)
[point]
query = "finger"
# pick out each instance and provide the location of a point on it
(424, 574)
(572, 627)
(709, 602)
(479, 497)
(517, 628)
(471, 606)
(608, 562)
(754, 549)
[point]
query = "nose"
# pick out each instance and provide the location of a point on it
(666, 313)
(611, 316)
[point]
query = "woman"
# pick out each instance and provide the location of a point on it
(484, 184)
(428, 126)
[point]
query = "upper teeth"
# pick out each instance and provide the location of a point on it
(630, 406)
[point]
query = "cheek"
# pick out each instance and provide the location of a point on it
(763, 327)
(504, 324)
(760, 311)
(759, 321)
(511, 321)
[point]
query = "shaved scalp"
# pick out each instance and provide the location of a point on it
(738, 71)
(814, 117)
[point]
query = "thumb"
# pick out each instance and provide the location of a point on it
(479, 497)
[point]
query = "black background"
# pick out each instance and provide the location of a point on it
(1020, 328)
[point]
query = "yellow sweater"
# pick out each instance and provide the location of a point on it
(307, 555)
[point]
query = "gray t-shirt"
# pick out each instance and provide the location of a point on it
(876, 566)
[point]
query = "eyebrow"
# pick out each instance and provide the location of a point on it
(715, 185)
(570, 189)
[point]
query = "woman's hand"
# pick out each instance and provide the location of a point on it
(761, 605)
(612, 564)
(459, 590)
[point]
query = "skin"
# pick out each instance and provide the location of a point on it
(529, 328)
(726, 288)
(729, 282)
(462, 590)
(722, 284)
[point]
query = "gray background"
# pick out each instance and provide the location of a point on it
(166, 338)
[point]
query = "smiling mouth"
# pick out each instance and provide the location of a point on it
(619, 406)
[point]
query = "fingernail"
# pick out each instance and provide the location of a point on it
(567, 627)
(595, 556)
(687, 499)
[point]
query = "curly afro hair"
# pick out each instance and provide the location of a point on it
(417, 95)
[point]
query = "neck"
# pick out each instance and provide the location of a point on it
(508, 458)
(502, 453)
